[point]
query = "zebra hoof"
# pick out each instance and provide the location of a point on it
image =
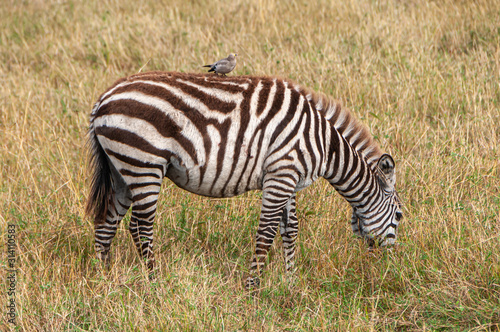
(102, 255)
(252, 283)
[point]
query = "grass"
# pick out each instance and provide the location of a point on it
(424, 76)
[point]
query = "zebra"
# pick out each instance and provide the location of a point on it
(221, 137)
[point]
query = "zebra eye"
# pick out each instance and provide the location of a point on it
(399, 215)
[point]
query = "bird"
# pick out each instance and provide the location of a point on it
(223, 66)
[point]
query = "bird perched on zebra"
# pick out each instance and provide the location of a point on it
(224, 66)
(222, 137)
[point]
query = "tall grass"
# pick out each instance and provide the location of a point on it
(424, 76)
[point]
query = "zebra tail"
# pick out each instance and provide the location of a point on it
(101, 184)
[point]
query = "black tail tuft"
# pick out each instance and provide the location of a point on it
(101, 186)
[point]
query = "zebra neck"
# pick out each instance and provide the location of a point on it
(348, 170)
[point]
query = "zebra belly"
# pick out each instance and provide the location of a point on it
(206, 182)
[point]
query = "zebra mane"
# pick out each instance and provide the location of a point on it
(346, 123)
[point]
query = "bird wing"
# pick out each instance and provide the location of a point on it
(224, 66)
(222, 63)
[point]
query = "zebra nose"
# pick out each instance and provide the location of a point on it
(387, 242)
(399, 215)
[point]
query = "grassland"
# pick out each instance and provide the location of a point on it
(423, 75)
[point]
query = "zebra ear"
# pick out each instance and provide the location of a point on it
(387, 171)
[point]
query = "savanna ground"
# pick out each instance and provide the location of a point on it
(423, 75)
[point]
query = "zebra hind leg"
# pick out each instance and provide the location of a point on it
(105, 227)
(141, 223)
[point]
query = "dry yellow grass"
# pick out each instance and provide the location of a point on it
(424, 76)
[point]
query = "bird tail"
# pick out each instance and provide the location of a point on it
(207, 66)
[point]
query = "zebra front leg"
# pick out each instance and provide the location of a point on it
(289, 228)
(355, 226)
(277, 191)
(141, 226)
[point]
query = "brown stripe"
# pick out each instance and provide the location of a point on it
(213, 103)
(223, 129)
(217, 82)
(307, 131)
(145, 206)
(126, 172)
(290, 113)
(264, 95)
(244, 121)
(133, 140)
(132, 161)
(141, 196)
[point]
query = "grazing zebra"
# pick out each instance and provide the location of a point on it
(223, 136)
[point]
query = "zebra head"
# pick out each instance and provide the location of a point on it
(377, 220)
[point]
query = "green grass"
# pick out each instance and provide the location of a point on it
(424, 77)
